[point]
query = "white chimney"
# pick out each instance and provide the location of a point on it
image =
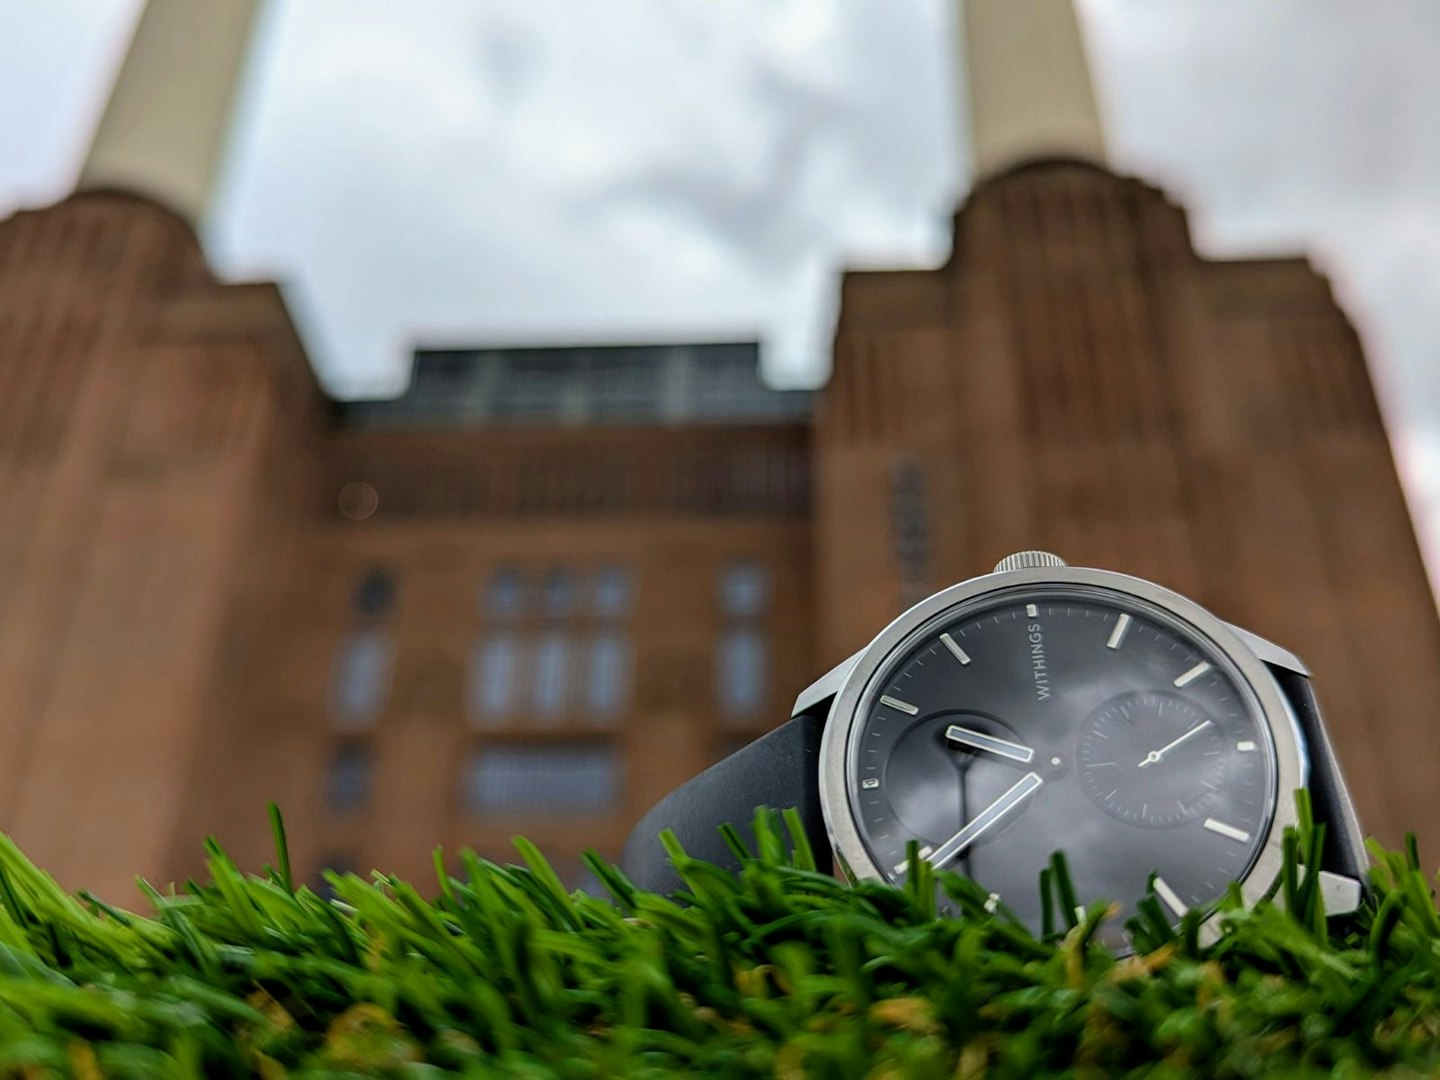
(1029, 84)
(164, 129)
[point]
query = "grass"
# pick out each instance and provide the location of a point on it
(774, 971)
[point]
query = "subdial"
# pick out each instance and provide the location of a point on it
(1151, 758)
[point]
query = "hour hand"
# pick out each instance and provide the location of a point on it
(978, 740)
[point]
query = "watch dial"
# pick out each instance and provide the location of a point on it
(1069, 718)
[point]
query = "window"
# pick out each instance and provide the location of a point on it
(375, 595)
(559, 593)
(744, 589)
(607, 675)
(741, 672)
(622, 384)
(504, 594)
(347, 786)
(494, 677)
(551, 779)
(537, 384)
(555, 646)
(612, 592)
(361, 678)
(742, 653)
(550, 694)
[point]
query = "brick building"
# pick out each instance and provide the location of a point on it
(545, 585)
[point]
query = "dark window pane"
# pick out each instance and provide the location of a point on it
(624, 385)
(375, 595)
(505, 594)
(536, 385)
(347, 787)
(360, 679)
(559, 593)
(546, 779)
(744, 589)
(493, 678)
(612, 591)
(607, 675)
(741, 672)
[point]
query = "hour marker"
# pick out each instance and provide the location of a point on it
(870, 784)
(924, 853)
(903, 706)
(1031, 610)
(1245, 747)
(959, 653)
(1226, 830)
(1193, 674)
(1122, 625)
(1171, 898)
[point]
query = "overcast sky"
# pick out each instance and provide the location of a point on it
(447, 171)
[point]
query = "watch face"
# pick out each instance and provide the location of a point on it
(1064, 717)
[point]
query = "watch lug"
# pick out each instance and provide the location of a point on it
(824, 688)
(1269, 652)
(1341, 894)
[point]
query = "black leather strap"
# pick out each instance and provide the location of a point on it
(780, 769)
(1344, 841)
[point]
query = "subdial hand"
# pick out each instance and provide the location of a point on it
(1154, 756)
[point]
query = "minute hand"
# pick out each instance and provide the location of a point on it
(986, 820)
(1154, 756)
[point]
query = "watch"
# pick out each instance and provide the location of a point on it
(1041, 708)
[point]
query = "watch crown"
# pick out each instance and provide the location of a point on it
(1028, 560)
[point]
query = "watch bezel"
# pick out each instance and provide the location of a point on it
(1291, 766)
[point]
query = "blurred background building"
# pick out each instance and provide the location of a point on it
(546, 584)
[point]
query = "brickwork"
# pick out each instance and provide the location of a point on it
(191, 531)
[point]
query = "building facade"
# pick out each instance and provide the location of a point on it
(546, 585)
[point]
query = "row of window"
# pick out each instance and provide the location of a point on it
(549, 677)
(545, 678)
(558, 594)
(607, 593)
(543, 674)
(497, 687)
(496, 781)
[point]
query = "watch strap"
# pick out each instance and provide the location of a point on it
(1345, 851)
(780, 769)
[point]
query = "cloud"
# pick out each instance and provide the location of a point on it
(540, 171)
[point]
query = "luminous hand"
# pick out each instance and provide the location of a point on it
(983, 822)
(978, 740)
(1154, 756)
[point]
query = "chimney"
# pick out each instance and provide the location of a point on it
(1029, 84)
(164, 129)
